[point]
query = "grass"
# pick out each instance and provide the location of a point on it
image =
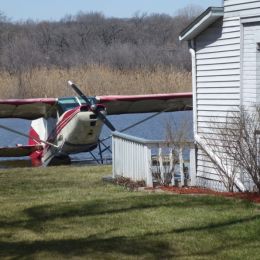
(94, 80)
(68, 212)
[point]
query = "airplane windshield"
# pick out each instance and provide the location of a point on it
(69, 103)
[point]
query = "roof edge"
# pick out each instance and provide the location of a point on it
(200, 23)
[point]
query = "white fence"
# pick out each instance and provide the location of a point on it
(141, 159)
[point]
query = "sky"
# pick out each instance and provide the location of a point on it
(53, 10)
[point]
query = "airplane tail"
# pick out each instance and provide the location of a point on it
(40, 130)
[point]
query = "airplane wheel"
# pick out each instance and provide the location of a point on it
(62, 159)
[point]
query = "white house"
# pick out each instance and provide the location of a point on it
(224, 43)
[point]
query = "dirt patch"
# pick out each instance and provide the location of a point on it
(251, 196)
(128, 183)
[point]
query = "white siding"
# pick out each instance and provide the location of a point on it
(251, 64)
(241, 8)
(218, 86)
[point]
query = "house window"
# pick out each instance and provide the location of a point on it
(258, 46)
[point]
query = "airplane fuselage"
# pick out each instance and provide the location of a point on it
(76, 130)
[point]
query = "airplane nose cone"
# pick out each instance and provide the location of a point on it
(93, 107)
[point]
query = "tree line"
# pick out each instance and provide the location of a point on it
(143, 41)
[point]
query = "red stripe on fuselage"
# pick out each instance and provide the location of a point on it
(37, 155)
(67, 117)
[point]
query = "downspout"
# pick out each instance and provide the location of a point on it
(194, 98)
(194, 85)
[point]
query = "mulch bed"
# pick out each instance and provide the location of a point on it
(132, 185)
(251, 196)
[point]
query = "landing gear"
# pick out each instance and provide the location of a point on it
(102, 147)
(60, 159)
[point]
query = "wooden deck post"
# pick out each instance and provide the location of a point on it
(148, 165)
(160, 155)
(171, 165)
(181, 166)
(192, 170)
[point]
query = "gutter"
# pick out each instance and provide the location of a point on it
(201, 23)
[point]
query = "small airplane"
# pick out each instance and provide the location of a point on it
(68, 125)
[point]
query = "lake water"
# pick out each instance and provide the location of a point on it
(154, 129)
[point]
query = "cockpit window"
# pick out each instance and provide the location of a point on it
(69, 103)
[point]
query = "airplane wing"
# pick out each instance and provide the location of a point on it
(21, 150)
(27, 108)
(146, 103)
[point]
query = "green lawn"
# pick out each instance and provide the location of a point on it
(68, 212)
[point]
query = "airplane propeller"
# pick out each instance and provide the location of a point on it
(89, 102)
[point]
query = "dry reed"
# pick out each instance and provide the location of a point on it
(93, 80)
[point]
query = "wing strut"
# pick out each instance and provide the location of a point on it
(137, 123)
(25, 135)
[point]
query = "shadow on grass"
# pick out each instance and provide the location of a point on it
(218, 225)
(38, 215)
(149, 245)
(88, 247)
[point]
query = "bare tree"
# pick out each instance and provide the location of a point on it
(235, 146)
(178, 136)
(190, 12)
(216, 150)
(143, 41)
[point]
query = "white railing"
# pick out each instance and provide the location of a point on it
(134, 158)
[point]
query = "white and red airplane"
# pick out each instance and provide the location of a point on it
(63, 126)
